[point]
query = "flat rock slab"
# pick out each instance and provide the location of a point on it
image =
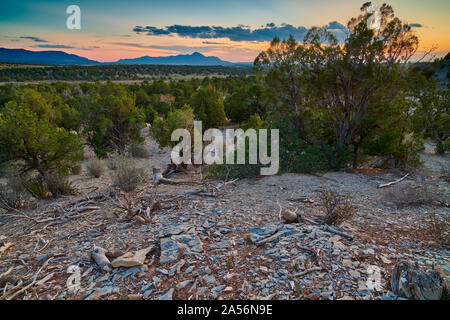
(132, 259)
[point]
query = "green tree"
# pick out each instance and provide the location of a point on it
(208, 107)
(332, 90)
(162, 129)
(112, 119)
(33, 142)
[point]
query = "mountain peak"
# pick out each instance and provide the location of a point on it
(197, 54)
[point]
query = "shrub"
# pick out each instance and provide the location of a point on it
(138, 150)
(436, 228)
(11, 194)
(337, 208)
(296, 155)
(95, 167)
(37, 188)
(127, 176)
(35, 142)
(76, 170)
(59, 185)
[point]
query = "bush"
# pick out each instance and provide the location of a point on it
(113, 160)
(35, 142)
(37, 188)
(436, 228)
(296, 155)
(127, 176)
(95, 167)
(76, 170)
(11, 194)
(138, 150)
(59, 185)
(337, 208)
(162, 129)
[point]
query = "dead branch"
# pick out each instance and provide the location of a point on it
(158, 178)
(393, 182)
(7, 295)
(300, 274)
(5, 247)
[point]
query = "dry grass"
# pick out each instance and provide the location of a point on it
(138, 150)
(127, 176)
(95, 167)
(59, 185)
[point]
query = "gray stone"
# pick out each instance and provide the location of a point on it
(167, 295)
(210, 280)
(184, 284)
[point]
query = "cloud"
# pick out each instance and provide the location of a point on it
(415, 25)
(238, 33)
(179, 48)
(35, 39)
(212, 42)
(54, 46)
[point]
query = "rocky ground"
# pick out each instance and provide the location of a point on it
(232, 245)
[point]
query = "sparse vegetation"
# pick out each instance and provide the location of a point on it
(37, 188)
(59, 185)
(138, 150)
(95, 167)
(127, 176)
(338, 208)
(12, 193)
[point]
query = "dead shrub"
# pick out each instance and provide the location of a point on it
(95, 167)
(436, 228)
(127, 176)
(338, 208)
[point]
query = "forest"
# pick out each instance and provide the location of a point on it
(17, 72)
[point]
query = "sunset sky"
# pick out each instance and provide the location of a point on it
(233, 30)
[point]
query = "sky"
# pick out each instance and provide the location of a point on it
(233, 30)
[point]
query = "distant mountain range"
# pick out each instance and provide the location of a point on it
(43, 57)
(63, 58)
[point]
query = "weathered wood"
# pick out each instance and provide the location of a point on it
(409, 281)
(158, 178)
(300, 274)
(99, 256)
(336, 231)
(384, 185)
